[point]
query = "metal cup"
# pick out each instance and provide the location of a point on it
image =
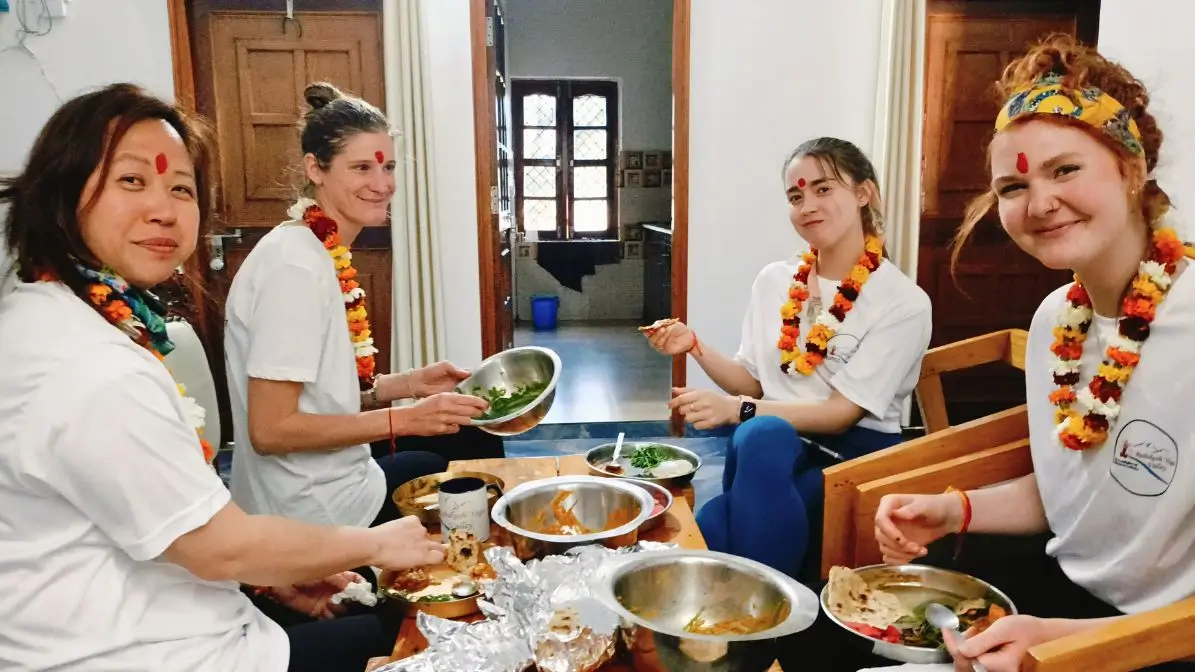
(463, 505)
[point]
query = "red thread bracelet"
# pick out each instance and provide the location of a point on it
(390, 417)
(696, 347)
(962, 531)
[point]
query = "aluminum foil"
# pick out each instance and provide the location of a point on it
(539, 614)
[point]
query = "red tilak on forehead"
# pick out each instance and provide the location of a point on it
(1022, 163)
(801, 183)
(379, 156)
(160, 163)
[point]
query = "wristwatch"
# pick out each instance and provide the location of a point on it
(746, 409)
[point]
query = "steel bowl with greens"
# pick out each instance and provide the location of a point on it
(520, 386)
(661, 463)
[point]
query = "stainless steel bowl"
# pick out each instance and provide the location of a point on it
(600, 454)
(528, 507)
(915, 584)
(655, 520)
(657, 594)
(511, 369)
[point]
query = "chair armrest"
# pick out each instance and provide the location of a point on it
(1000, 346)
(1130, 643)
(841, 480)
(981, 468)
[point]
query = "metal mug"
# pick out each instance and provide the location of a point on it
(464, 505)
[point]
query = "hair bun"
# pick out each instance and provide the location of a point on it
(320, 94)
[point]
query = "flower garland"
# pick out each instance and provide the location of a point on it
(1083, 418)
(128, 310)
(326, 229)
(830, 320)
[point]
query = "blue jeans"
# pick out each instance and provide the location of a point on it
(770, 509)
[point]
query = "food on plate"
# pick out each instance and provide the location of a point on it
(853, 601)
(743, 625)
(411, 580)
(671, 469)
(503, 403)
(435, 590)
(567, 523)
(660, 503)
(464, 550)
(874, 612)
(648, 456)
(658, 325)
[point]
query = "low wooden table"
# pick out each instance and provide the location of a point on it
(680, 527)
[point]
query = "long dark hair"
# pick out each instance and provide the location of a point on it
(841, 157)
(42, 226)
(331, 119)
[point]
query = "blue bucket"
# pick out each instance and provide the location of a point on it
(544, 309)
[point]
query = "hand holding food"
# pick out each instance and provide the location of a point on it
(404, 543)
(670, 337)
(1000, 647)
(905, 524)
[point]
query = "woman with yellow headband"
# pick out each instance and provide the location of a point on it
(1108, 363)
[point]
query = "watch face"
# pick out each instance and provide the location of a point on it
(747, 411)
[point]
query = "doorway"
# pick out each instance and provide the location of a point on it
(995, 285)
(582, 219)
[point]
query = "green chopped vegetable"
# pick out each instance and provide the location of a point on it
(503, 403)
(648, 457)
(436, 598)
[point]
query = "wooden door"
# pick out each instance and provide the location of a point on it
(995, 285)
(495, 244)
(251, 69)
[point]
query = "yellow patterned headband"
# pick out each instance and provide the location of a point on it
(1089, 105)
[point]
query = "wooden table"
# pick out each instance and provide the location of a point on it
(680, 527)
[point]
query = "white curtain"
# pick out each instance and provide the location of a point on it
(418, 321)
(900, 94)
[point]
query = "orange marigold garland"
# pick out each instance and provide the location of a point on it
(830, 320)
(326, 229)
(107, 294)
(1084, 416)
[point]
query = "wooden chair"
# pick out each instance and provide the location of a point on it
(1006, 346)
(984, 452)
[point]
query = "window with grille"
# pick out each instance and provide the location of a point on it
(565, 140)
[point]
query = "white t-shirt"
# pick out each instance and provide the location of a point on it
(874, 359)
(1123, 513)
(284, 320)
(100, 472)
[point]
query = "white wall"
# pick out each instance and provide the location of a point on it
(629, 41)
(765, 76)
(446, 23)
(1154, 44)
(99, 42)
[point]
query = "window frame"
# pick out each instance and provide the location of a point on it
(565, 92)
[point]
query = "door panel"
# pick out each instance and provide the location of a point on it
(995, 285)
(251, 70)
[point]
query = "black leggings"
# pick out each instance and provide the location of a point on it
(343, 644)
(1019, 566)
(468, 444)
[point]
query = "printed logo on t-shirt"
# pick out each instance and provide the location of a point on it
(839, 351)
(1144, 459)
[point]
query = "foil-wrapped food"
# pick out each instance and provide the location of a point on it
(540, 615)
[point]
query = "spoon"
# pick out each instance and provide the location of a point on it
(464, 589)
(618, 446)
(944, 619)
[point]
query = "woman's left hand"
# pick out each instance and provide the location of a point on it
(436, 378)
(1001, 647)
(705, 409)
(314, 598)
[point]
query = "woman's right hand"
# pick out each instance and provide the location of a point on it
(442, 413)
(906, 524)
(674, 339)
(404, 543)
